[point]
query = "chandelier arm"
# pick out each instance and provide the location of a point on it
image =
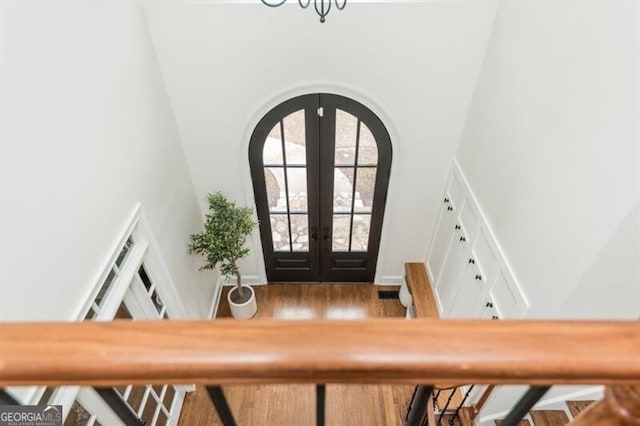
(266, 3)
(322, 7)
(322, 12)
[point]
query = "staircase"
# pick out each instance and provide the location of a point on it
(465, 415)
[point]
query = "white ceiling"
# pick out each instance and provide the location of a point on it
(414, 63)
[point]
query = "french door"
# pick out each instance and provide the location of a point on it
(320, 166)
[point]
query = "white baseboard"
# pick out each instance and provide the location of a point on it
(246, 279)
(438, 303)
(252, 280)
(217, 293)
(390, 280)
(430, 275)
(594, 393)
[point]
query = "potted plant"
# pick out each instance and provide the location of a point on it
(222, 242)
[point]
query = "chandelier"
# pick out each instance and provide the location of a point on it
(322, 6)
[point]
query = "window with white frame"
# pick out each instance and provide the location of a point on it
(133, 286)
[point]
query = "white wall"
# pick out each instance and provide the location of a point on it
(610, 287)
(550, 145)
(414, 63)
(87, 133)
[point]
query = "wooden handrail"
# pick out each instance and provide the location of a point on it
(372, 351)
(421, 290)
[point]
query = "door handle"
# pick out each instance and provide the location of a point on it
(314, 233)
(325, 234)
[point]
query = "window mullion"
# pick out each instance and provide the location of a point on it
(286, 182)
(355, 180)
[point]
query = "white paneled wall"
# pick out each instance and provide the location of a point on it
(468, 270)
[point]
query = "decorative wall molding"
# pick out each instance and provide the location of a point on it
(217, 293)
(456, 291)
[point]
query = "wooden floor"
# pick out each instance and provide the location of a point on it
(294, 405)
(577, 407)
(549, 418)
(524, 422)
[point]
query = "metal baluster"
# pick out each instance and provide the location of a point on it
(453, 391)
(119, 406)
(526, 403)
(435, 400)
(413, 398)
(457, 413)
(7, 399)
(321, 392)
(418, 408)
(425, 421)
(220, 403)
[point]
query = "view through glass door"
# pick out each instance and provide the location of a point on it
(320, 166)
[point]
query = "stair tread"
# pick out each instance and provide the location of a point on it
(524, 422)
(441, 402)
(549, 418)
(464, 418)
(577, 407)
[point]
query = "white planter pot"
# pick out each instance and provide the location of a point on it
(405, 296)
(411, 312)
(246, 310)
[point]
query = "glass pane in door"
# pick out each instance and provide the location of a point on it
(360, 235)
(297, 185)
(295, 139)
(274, 180)
(365, 187)
(367, 147)
(299, 232)
(272, 151)
(280, 232)
(342, 189)
(341, 230)
(346, 137)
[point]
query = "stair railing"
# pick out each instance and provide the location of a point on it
(379, 351)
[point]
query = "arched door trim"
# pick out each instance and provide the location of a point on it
(279, 96)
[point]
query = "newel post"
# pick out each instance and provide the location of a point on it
(619, 407)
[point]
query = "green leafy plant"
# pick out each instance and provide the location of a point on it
(222, 242)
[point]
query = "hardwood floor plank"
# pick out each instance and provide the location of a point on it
(577, 407)
(295, 404)
(549, 418)
(443, 398)
(464, 418)
(524, 422)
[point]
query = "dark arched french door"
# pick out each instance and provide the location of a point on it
(320, 166)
